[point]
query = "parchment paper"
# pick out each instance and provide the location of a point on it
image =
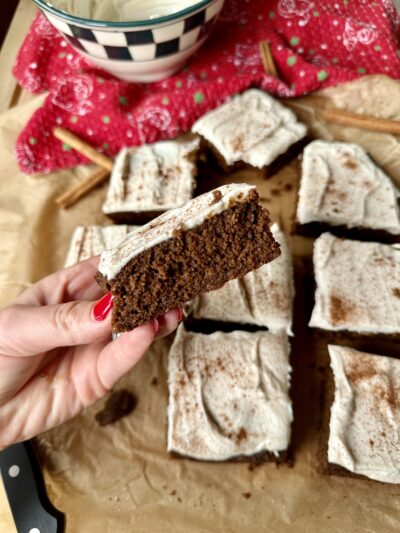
(120, 478)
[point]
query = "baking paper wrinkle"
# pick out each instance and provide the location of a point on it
(120, 478)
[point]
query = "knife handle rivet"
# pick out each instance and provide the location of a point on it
(14, 471)
(34, 530)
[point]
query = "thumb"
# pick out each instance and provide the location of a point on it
(28, 330)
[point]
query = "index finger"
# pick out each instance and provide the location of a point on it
(73, 283)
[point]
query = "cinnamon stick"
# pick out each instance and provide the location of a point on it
(267, 59)
(347, 118)
(71, 196)
(83, 148)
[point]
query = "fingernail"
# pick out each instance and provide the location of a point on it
(180, 314)
(103, 307)
(156, 326)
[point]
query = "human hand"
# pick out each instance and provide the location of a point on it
(56, 353)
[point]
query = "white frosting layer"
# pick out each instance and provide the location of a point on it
(88, 241)
(122, 10)
(263, 297)
(340, 185)
(252, 127)
(152, 177)
(358, 286)
(192, 214)
(365, 415)
(228, 394)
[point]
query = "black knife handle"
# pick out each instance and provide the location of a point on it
(26, 493)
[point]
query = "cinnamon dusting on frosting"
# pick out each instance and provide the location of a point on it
(350, 163)
(216, 197)
(340, 310)
(365, 414)
(237, 402)
(356, 286)
(251, 127)
(341, 186)
(157, 176)
(360, 370)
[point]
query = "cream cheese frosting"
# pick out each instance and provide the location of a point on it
(121, 10)
(340, 185)
(251, 127)
(152, 177)
(358, 286)
(263, 297)
(88, 241)
(365, 415)
(228, 394)
(163, 227)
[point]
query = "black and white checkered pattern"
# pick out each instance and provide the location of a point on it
(141, 44)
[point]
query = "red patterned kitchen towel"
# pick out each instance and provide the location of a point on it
(314, 43)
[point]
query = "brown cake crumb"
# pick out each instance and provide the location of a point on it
(119, 404)
(154, 382)
(396, 292)
(246, 495)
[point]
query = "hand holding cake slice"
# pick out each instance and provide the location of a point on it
(212, 239)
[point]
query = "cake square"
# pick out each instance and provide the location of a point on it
(150, 179)
(89, 241)
(214, 238)
(251, 128)
(342, 187)
(365, 415)
(264, 297)
(358, 286)
(229, 396)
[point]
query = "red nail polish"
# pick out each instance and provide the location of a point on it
(180, 314)
(103, 307)
(156, 326)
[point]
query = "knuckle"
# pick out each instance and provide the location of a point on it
(67, 318)
(6, 319)
(7, 323)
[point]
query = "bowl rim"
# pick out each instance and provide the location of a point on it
(121, 24)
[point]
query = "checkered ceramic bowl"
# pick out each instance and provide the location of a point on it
(141, 51)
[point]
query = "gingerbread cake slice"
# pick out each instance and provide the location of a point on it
(88, 241)
(250, 129)
(357, 287)
(361, 436)
(342, 187)
(214, 238)
(264, 297)
(150, 179)
(229, 396)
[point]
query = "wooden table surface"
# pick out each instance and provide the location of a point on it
(11, 94)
